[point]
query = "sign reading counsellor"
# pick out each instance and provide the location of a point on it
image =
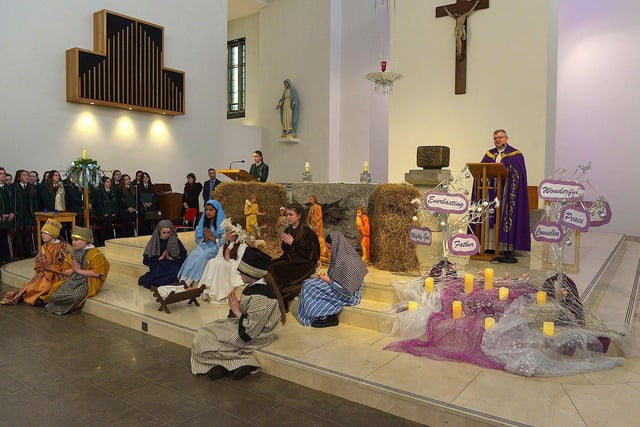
(446, 203)
(557, 191)
(420, 235)
(575, 217)
(463, 244)
(547, 231)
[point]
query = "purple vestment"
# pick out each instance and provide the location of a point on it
(514, 204)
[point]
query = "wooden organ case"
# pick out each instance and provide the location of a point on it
(126, 68)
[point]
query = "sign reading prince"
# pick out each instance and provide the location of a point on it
(453, 203)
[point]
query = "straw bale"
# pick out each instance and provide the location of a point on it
(392, 218)
(270, 197)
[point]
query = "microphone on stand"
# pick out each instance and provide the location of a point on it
(235, 161)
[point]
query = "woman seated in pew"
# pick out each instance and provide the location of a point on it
(221, 273)
(208, 238)
(301, 252)
(48, 264)
(227, 345)
(85, 270)
(164, 255)
(323, 297)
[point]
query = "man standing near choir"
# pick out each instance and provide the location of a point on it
(210, 186)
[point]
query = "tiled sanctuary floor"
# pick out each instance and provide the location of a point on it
(80, 370)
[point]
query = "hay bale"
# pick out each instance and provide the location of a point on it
(391, 247)
(270, 197)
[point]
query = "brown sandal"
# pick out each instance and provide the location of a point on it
(9, 298)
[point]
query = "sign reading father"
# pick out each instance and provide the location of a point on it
(446, 203)
(463, 244)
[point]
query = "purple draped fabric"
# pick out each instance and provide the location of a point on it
(460, 339)
(514, 203)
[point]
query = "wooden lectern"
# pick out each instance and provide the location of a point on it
(488, 176)
(238, 175)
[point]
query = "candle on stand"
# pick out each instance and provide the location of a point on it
(541, 297)
(413, 306)
(549, 328)
(84, 154)
(503, 293)
(488, 278)
(428, 284)
(468, 283)
(456, 309)
(489, 322)
(365, 167)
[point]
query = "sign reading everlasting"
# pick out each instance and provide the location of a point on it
(454, 203)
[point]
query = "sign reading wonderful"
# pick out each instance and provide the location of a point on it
(547, 231)
(555, 191)
(600, 216)
(575, 217)
(463, 244)
(446, 203)
(420, 235)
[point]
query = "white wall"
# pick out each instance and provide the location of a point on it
(40, 130)
(325, 47)
(506, 84)
(599, 102)
(295, 44)
(364, 126)
(249, 28)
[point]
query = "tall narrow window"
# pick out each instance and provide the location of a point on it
(236, 78)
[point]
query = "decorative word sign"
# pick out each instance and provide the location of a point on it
(599, 216)
(420, 235)
(454, 203)
(126, 68)
(556, 191)
(547, 231)
(463, 244)
(575, 217)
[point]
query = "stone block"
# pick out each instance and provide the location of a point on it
(432, 156)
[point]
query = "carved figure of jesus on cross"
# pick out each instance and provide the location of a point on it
(460, 11)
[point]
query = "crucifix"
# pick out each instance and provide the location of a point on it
(460, 11)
